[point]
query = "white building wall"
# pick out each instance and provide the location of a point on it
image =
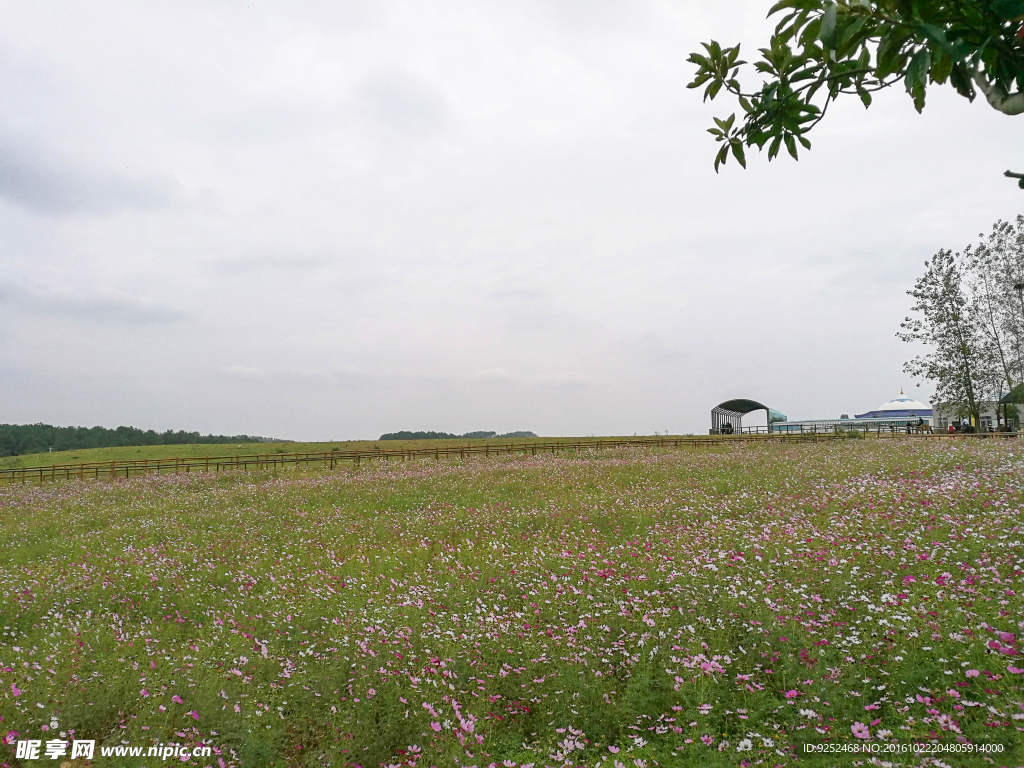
(945, 414)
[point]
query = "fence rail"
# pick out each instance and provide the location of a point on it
(332, 459)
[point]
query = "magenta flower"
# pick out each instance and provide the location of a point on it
(792, 694)
(11, 737)
(144, 692)
(15, 690)
(972, 673)
(1014, 670)
(860, 731)
(195, 714)
(177, 699)
(436, 726)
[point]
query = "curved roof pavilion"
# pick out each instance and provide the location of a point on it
(731, 412)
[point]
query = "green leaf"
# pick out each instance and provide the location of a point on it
(849, 36)
(737, 152)
(791, 145)
(811, 32)
(827, 35)
(865, 97)
(916, 74)
(942, 67)
(782, 5)
(723, 155)
(773, 150)
(961, 80)
(889, 58)
(1008, 9)
(934, 33)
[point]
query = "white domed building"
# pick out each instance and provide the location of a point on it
(902, 407)
(899, 414)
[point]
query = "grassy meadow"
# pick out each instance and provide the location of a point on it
(138, 452)
(626, 609)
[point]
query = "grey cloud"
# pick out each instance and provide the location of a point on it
(44, 182)
(517, 293)
(105, 306)
(404, 103)
(269, 263)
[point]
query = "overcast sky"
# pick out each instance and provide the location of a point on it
(332, 220)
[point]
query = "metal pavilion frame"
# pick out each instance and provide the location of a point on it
(731, 412)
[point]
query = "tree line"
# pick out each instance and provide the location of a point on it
(19, 439)
(450, 436)
(969, 314)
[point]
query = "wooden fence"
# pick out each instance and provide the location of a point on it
(354, 458)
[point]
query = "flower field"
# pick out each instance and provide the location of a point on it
(623, 609)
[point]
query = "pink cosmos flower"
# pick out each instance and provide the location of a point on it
(11, 737)
(15, 690)
(613, 750)
(177, 699)
(1014, 670)
(860, 731)
(792, 694)
(144, 692)
(972, 673)
(436, 726)
(237, 708)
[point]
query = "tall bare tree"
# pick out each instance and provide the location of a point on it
(960, 361)
(999, 261)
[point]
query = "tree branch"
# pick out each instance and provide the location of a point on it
(997, 96)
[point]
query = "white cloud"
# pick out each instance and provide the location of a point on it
(330, 220)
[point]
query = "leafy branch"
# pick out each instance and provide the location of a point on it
(824, 49)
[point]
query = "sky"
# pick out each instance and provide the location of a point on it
(331, 220)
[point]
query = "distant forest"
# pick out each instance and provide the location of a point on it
(449, 436)
(18, 439)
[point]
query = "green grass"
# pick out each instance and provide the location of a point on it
(752, 596)
(127, 453)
